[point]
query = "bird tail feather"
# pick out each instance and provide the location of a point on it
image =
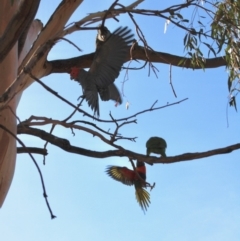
(143, 197)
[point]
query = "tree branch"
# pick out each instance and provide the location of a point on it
(52, 30)
(198, 155)
(65, 145)
(85, 61)
(36, 57)
(34, 150)
(36, 165)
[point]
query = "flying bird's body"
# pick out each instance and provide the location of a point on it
(111, 53)
(136, 178)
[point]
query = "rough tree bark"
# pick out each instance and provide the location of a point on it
(8, 73)
(16, 24)
(16, 21)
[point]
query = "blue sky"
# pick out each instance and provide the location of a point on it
(195, 200)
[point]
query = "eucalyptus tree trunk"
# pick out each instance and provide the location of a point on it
(8, 72)
(9, 65)
(21, 58)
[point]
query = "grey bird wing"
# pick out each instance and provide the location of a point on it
(91, 95)
(89, 90)
(110, 57)
(111, 92)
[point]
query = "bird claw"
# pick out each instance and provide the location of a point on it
(81, 96)
(149, 185)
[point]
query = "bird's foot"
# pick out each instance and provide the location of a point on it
(149, 185)
(81, 96)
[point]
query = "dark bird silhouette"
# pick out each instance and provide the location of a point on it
(111, 53)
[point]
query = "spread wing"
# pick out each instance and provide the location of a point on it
(121, 174)
(91, 96)
(89, 88)
(110, 57)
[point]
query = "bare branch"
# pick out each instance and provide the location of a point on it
(198, 155)
(34, 150)
(52, 30)
(91, 116)
(38, 169)
(65, 145)
(46, 121)
(97, 17)
(170, 81)
(85, 61)
(70, 42)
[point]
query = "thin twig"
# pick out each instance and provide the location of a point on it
(67, 40)
(107, 12)
(14, 114)
(72, 114)
(93, 117)
(45, 145)
(170, 81)
(59, 96)
(35, 163)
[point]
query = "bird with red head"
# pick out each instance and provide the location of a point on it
(111, 53)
